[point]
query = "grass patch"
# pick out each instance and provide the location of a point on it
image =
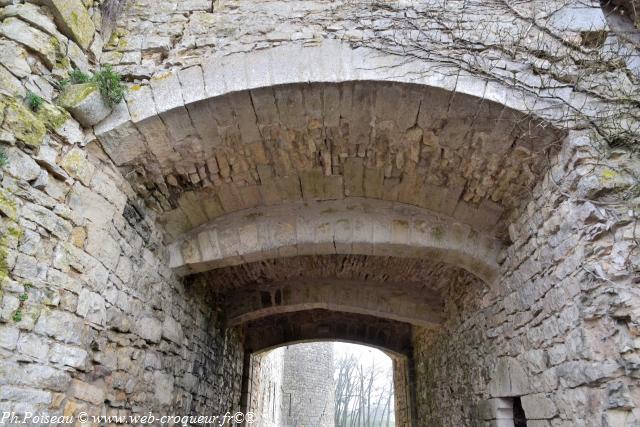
(34, 102)
(108, 81)
(76, 77)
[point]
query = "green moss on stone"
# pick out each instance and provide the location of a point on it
(74, 21)
(75, 94)
(7, 206)
(52, 116)
(22, 122)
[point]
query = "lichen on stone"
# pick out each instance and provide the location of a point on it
(22, 122)
(52, 116)
(75, 94)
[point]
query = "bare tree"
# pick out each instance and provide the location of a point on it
(364, 394)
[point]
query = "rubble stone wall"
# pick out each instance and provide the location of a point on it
(553, 331)
(91, 317)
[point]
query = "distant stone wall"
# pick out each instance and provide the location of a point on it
(308, 391)
(293, 386)
(267, 371)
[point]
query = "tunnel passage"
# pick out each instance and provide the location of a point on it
(379, 301)
(309, 198)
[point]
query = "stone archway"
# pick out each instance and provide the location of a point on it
(260, 158)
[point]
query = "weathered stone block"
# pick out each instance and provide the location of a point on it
(87, 392)
(85, 103)
(91, 306)
(25, 394)
(62, 326)
(149, 328)
(34, 375)
(76, 164)
(172, 330)
(508, 379)
(8, 337)
(74, 20)
(69, 356)
(163, 388)
(538, 407)
(21, 122)
(46, 46)
(33, 345)
(102, 246)
(20, 165)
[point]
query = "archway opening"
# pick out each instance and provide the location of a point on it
(327, 383)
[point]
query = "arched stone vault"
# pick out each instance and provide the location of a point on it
(324, 325)
(351, 226)
(405, 290)
(322, 123)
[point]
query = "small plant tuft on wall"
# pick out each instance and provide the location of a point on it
(76, 77)
(108, 82)
(34, 102)
(3, 158)
(110, 85)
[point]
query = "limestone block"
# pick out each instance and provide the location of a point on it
(34, 15)
(108, 188)
(538, 407)
(119, 137)
(208, 244)
(508, 379)
(578, 17)
(163, 388)
(192, 84)
(47, 159)
(167, 92)
(20, 165)
(34, 375)
(47, 219)
(85, 103)
(102, 246)
(90, 205)
(9, 84)
(91, 306)
(243, 109)
(172, 330)
(8, 336)
(74, 20)
(76, 164)
(149, 328)
(87, 392)
(22, 123)
(63, 326)
(9, 305)
(140, 103)
(14, 58)
(46, 46)
(118, 320)
(354, 177)
(69, 356)
(25, 394)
